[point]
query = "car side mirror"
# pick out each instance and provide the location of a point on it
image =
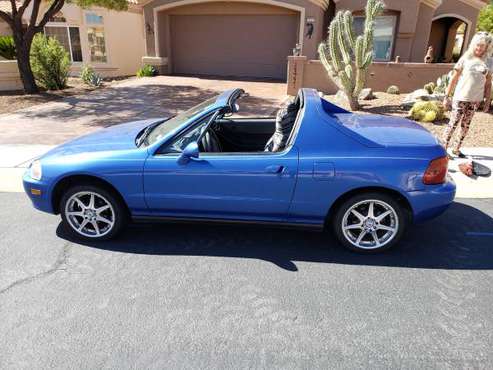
(190, 151)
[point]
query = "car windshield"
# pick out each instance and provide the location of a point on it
(166, 127)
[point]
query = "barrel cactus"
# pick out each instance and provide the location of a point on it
(427, 111)
(393, 89)
(347, 57)
(429, 87)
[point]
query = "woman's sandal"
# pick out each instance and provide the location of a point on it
(458, 153)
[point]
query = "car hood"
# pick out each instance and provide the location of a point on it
(386, 130)
(118, 137)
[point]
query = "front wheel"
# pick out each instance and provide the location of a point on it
(370, 222)
(92, 213)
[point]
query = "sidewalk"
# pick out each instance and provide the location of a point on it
(14, 159)
(467, 187)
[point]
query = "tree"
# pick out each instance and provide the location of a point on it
(485, 19)
(23, 34)
(346, 57)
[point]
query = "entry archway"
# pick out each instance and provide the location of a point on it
(449, 36)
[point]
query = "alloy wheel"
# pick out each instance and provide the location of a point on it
(370, 224)
(90, 214)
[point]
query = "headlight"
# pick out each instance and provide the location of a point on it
(35, 170)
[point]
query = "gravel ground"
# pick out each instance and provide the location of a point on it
(480, 133)
(11, 101)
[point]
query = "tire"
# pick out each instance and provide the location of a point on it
(358, 231)
(87, 223)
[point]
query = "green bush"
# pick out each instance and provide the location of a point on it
(7, 47)
(427, 111)
(89, 77)
(147, 71)
(429, 87)
(393, 90)
(50, 62)
(485, 19)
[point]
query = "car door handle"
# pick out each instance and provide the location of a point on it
(276, 168)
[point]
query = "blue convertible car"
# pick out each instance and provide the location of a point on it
(313, 165)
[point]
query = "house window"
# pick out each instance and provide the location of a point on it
(383, 36)
(68, 37)
(93, 18)
(95, 35)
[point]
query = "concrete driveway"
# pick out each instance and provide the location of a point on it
(132, 99)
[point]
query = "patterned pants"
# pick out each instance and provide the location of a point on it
(462, 111)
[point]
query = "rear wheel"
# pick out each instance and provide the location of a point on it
(370, 222)
(92, 213)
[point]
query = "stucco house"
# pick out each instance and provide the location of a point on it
(111, 41)
(253, 38)
(249, 38)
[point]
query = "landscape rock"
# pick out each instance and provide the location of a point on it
(437, 97)
(366, 94)
(420, 94)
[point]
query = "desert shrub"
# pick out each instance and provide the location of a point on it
(89, 77)
(429, 87)
(7, 47)
(442, 84)
(393, 90)
(427, 111)
(50, 62)
(147, 71)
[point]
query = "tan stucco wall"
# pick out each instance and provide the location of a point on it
(9, 76)
(124, 33)
(407, 76)
(462, 10)
(414, 22)
(422, 33)
(239, 7)
(124, 40)
(407, 14)
(4, 29)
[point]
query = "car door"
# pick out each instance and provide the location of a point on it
(248, 186)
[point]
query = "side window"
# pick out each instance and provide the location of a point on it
(188, 137)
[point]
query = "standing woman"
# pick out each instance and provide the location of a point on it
(471, 80)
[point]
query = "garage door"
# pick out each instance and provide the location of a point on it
(233, 45)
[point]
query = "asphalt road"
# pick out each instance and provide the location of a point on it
(189, 296)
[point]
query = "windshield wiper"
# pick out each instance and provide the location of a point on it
(143, 136)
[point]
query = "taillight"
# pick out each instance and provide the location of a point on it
(436, 171)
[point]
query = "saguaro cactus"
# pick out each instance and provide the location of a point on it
(346, 57)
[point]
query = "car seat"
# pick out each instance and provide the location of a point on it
(285, 120)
